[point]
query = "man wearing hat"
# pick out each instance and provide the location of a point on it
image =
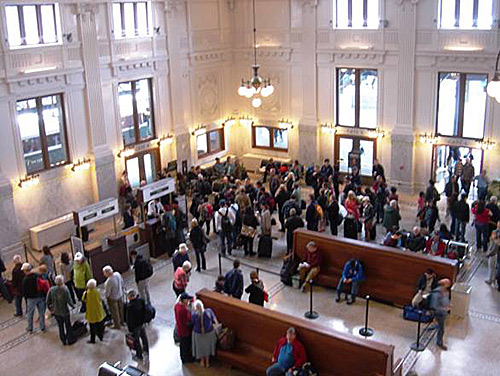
(81, 275)
(34, 297)
(224, 223)
(183, 327)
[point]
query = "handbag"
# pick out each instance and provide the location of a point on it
(266, 296)
(130, 341)
(248, 231)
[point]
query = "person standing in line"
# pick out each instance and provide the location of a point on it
(256, 290)
(333, 214)
(135, 318)
(48, 260)
(180, 256)
(233, 281)
(66, 271)
(114, 295)
(199, 240)
(58, 300)
(183, 326)
(440, 303)
(312, 215)
(391, 216)
(94, 314)
(224, 223)
(17, 284)
(292, 223)
(461, 212)
(481, 221)
(367, 216)
(143, 270)
(468, 173)
(204, 337)
(34, 297)
(248, 230)
(431, 193)
(492, 255)
(81, 275)
(181, 278)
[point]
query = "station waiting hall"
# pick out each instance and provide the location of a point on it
(249, 187)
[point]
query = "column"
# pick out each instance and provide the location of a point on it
(401, 173)
(9, 226)
(104, 179)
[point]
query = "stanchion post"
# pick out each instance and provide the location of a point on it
(366, 331)
(25, 252)
(220, 263)
(417, 346)
(311, 315)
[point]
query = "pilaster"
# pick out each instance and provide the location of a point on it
(9, 225)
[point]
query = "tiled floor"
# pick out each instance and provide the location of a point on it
(473, 342)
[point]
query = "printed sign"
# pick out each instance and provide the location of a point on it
(155, 190)
(96, 212)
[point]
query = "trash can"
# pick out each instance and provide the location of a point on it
(460, 298)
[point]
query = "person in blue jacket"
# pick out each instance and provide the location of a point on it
(353, 275)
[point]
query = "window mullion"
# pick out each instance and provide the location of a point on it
(39, 21)
(135, 112)
(207, 135)
(357, 98)
(55, 22)
(22, 29)
(457, 13)
(365, 13)
(475, 12)
(271, 141)
(136, 25)
(122, 12)
(147, 18)
(349, 13)
(461, 104)
(43, 136)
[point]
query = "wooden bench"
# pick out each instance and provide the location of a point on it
(257, 330)
(391, 274)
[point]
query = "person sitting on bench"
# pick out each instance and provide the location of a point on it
(289, 354)
(353, 275)
(426, 283)
(310, 267)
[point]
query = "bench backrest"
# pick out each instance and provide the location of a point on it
(391, 274)
(330, 352)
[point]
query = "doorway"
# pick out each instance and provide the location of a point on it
(143, 166)
(365, 150)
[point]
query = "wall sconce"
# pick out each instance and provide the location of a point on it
(157, 30)
(329, 128)
(376, 133)
(200, 130)
(285, 124)
(80, 165)
(229, 122)
(429, 138)
(246, 121)
(127, 152)
(29, 181)
(487, 144)
(166, 140)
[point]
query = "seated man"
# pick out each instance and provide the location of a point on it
(310, 267)
(352, 274)
(392, 238)
(416, 242)
(426, 283)
(289, 354)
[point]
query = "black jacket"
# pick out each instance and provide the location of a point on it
(256, 293)
(422, 281)
(495, 212)
(249, 219)
(292, 224)
(197, 237)
(134, 313)
(141, 268)
(30, 286)
(333, 212)
(461, 211)
(451, 188)
(416, 243)
(312, 217)
(17, 277)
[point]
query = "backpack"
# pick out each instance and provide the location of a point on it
(42, 285)
(148, 269)
(306, 370)
(227, 339)
(149, 313)
(226, 225)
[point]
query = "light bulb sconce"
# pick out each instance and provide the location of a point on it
(429, 138)
(200, 130)
(166, 140)
(80, 165)
(230, 121)
(246, 121)
(376, 133)
(329, 128)
(487, 144)
(285, 124)
(29, 181)
(126, 152)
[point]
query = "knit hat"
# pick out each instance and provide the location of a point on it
(78, 256)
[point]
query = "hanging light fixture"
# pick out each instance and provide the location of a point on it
(493, 88)
(257, 86)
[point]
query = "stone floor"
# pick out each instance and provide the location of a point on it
(472, 342)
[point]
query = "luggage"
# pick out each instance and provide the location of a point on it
(350, 228)
(149, 313)
(227, 339)
(71, 337)
(130, 341)
(306, 370)
(79, 328)
(133, 371)
(414, 314)
(289, 268)
(265, 248)
(373, 232)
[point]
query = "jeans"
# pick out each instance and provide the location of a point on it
(334, 228)
(466, 186)
(143, 287)
(460, 230)
(201, 262)
(482, 236)
(140, 336)
(64, 324)
(39, 304)
(440, 319)
(276, 370)
(481, 193)
(354, 288)
(18, 302)
(208, 226)
(226, 239)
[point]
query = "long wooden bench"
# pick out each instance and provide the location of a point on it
(390, 274)
(257, 330)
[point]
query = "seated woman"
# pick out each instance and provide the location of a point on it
(310, 267)
(392, 238)
(289, 354)
(353, 275)
(426, 283)
(435, 246)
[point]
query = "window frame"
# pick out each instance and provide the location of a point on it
(22, 25)
(43, 135)
(135, 113)
(149, 17)
(335, 22)
(357, 98)
(475, 16)
(336, 153)
(271, 141)
(461, 106)
(209, 148)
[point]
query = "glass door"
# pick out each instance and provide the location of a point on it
(143, 167)
(365, 147)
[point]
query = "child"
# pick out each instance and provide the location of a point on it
(219, 284)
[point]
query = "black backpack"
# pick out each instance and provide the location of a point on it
(148, 268)
(149, 313)
(226, 225)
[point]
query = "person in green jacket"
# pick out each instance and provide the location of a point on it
(391, 216)
(81, 275)
(94, 314)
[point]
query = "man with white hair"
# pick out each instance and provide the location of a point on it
(58, 300)
(114, 295)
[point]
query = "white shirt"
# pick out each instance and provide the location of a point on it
(223, 212)
(155, 208)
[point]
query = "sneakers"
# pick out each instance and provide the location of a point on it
(488, 282)
(443, 347)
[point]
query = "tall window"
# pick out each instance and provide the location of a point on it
(357, 97)
(131, 19)
(269, 138)
(32, 24)
(43, 133)
(355, 14)
(461, 105)
(210, 142)
(465, 14)
(136, 111)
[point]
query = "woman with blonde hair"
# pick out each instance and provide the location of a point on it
(204, 337)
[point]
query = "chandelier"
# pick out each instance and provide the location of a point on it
(493, 88)
(257, 86)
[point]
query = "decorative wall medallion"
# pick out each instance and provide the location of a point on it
(208, 94)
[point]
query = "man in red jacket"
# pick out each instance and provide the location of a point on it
(289, 354)
(182, 325)
(310, 267)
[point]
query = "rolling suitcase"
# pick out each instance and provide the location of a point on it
(414, 314)
(265, 248)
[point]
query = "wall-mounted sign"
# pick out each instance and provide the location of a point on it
(96, 212)
(154, 190)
